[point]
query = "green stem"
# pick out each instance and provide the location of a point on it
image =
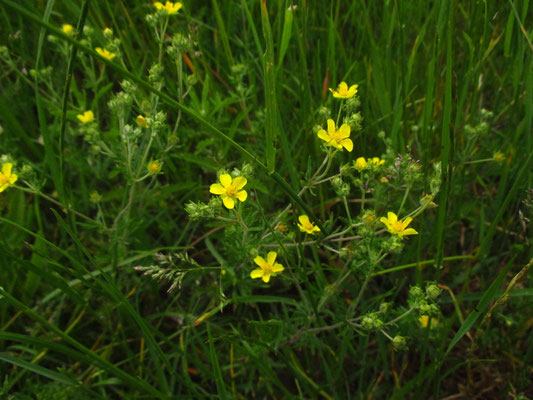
(404, 199)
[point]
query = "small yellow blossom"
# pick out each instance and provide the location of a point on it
(105, 53)
(108, 32)
(498, 156)
(343, 92)
(307, 226)
(154, 167)
(68, 29)
(6, 177)
(267, 268)
(170, 8)
(424, 321)
(361, 164)
(141, 121)
(369, 218)
(337, 138)
(95, 197)
(376, 161)
(86, 117)
(384, 180)
(230, 189)
(281, 227)
(397, 227)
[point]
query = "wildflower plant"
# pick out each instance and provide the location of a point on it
(207, 210)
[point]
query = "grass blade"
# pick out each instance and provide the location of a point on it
(56, 376)
(270, 91)
(481, 306)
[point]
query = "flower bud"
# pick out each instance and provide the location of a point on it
(399, 343)
(432, 291)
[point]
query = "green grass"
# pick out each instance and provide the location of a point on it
(85, 306)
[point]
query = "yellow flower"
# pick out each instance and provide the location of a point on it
(105, 53)
(6, 177)
(307, 226)
(424, 321)
(281, 227)
(498, 156)
(170, 8)
(397, 227)
(376, 161)
(68, 29)
(86, 117)
(154, 167)
(108, 32)
(95, 197)
(267, 268)
(361, 164)
(230, 189)
(343, 92)
(141, 121)
(337, 138)
(384, 179)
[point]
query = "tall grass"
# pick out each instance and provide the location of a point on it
(448, 82)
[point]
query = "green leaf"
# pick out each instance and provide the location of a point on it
(481, 306)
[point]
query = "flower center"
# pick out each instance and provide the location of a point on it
(398, 226)
(231, 191)
(267, 269)
(336, 136)
(4, 179)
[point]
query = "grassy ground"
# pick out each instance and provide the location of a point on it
(122, 276)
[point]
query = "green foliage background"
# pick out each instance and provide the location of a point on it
(446, 81)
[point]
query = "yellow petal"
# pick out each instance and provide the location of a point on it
(259, 261)
(216, 188)
(242, 195)
(360, 164)
(344, 131)
(408, 231)
(277, 268)
(347, 144)
(4, 187)
(266, 278)
(256, 273)
(229, 203)
(352, 91)
(343, 87)
(158, 5)
(226, 180)
(6, 169)
(13, 178)
(331, 127)
(407, 221)
(387, 223)
(323, 135)
(316, 229)
(240, 182)
(304, 219)
(271, 257)
(393, 218)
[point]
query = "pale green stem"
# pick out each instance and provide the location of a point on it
(52, 200)
(339, 114)
(403, 200)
